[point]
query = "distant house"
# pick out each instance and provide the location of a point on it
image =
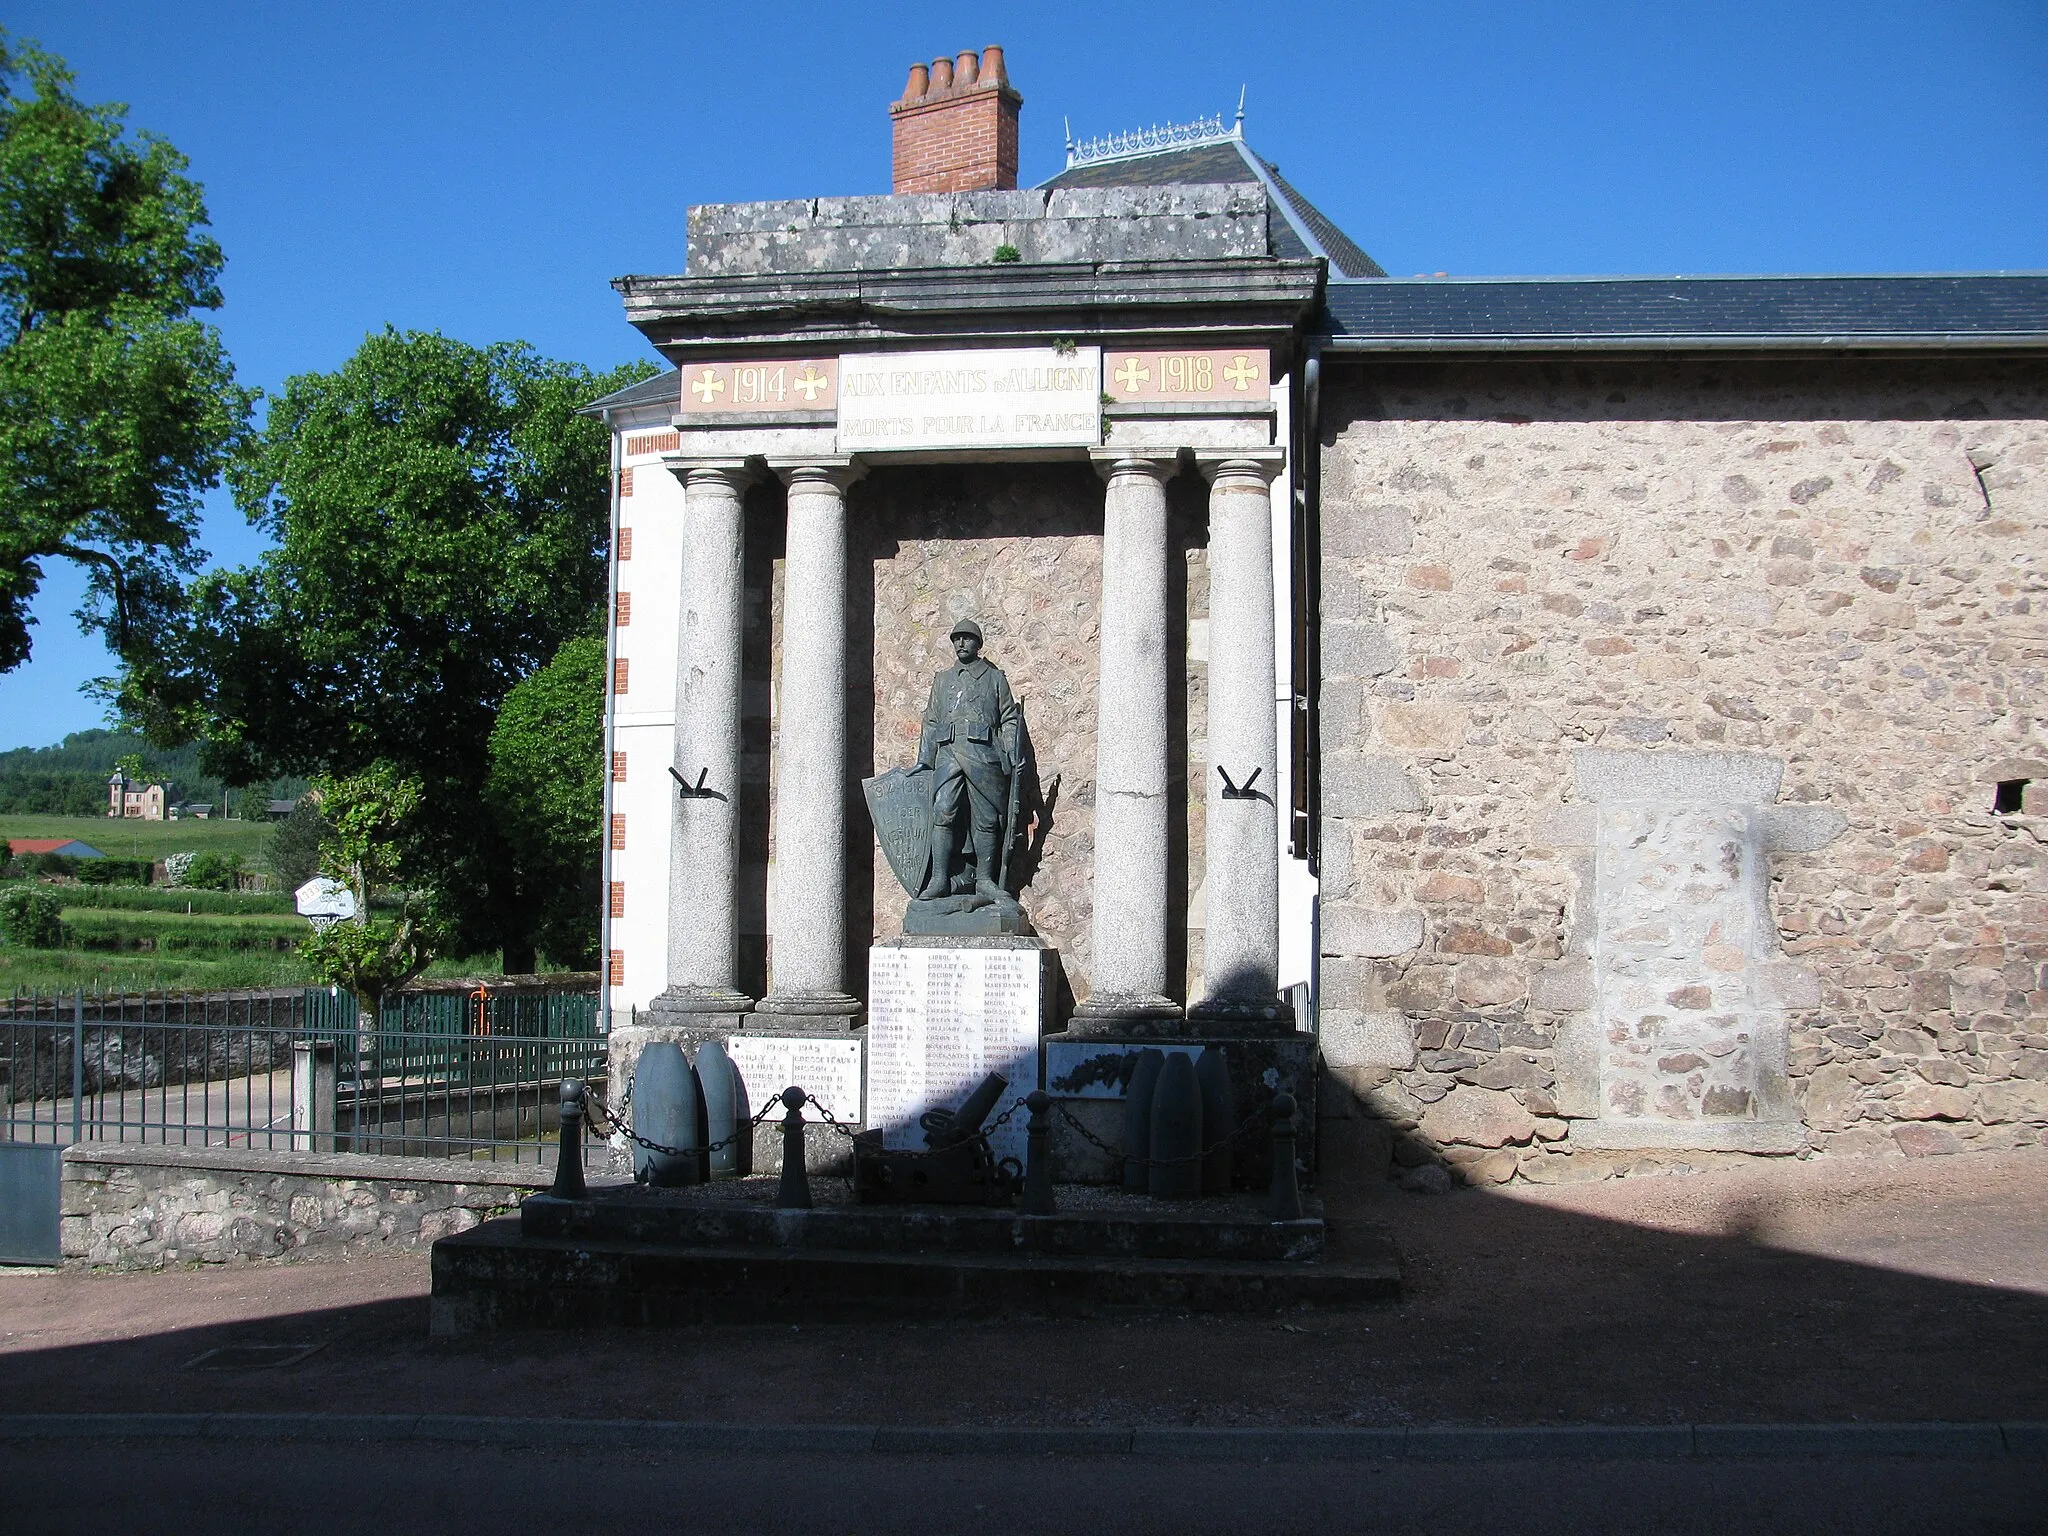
(68, 847)
(133, 801)
(197, 810)
(277, 810)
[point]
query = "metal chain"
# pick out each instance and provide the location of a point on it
(982, 1135)
(620, 1128)
(1250, 1121)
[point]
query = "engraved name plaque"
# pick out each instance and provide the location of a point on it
(942, 1019)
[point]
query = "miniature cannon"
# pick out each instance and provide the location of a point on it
(956, 1167)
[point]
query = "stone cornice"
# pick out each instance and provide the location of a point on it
(1110, 301)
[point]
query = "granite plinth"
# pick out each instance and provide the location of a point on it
(741, 1213)
(647, 1258)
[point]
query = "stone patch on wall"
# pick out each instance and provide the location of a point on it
(1835, 566)
(143, 1207)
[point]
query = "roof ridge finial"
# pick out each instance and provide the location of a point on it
(1238, 131)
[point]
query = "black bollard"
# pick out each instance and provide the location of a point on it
(1037, 1155)
(794, 1192)
(1283, 1201)
(1138, 1119)
(1219, 1119)
(1176, 1172)
(569, 1161)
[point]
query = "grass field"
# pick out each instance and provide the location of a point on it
(164, 932)
(127, 839)
(173, 898)
(62, 970)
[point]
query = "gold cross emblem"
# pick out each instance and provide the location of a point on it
(809, 383)
(708, 387)
(1242, 371)
(1131, 375)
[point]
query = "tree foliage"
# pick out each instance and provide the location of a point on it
(546, 793)
(441, 514)
(294, 851)
(117, 407)
(370, 823)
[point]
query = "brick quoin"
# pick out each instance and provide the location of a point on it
(618, 905)
(624, 607)
(618, 834)
(625, 543)
(618, 767)
(615, 972)
(621, 669)
(955, 129)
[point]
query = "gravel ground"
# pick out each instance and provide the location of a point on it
(1827, 1290)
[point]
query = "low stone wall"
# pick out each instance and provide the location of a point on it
(143, 1207)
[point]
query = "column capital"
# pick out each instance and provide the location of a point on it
(736, 474)
(1241, 464)
(814, 469)
(1111, 462)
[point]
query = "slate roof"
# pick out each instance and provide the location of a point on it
(1302, 230)
(1966, 310)
(663, 388)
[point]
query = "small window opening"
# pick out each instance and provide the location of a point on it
(2011, 797)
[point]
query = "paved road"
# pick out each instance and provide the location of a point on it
(397, 1490)
(224, 1112)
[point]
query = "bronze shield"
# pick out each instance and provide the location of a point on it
(900, 805)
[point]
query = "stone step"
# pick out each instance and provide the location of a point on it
(1092, 1224)
(495, 1277)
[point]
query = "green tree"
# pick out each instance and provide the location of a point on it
(546, 793)
(371, 817)
(294, 852)
(117, 407)
(441, 514)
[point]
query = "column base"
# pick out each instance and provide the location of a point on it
(1126, 1014)
(807, 1007)
(680, 1005)
(1241, 1016)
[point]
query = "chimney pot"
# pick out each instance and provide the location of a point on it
(955, 129)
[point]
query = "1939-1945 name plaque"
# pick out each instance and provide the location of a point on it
(1013, 397)
(940, 1019)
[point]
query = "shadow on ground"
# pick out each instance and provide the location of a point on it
(1517, 1312)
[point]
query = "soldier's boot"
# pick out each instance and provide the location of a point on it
(985, 866)
(942, 864)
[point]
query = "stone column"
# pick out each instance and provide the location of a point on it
(1131, 906)
(807, 921)
(703, 860)
(1241, 934)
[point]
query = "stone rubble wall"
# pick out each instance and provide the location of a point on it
(144, 1207)
(965, 229)
(1832, 566)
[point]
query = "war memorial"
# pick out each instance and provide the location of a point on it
(1125, 715)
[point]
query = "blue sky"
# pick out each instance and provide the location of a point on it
(485, 169)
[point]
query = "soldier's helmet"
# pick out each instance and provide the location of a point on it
(965, 627)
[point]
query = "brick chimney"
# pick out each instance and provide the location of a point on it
(955, 129)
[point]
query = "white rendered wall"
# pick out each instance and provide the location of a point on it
(643, 718)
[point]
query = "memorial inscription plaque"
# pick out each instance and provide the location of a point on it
(828, 1069)
(940, 1019)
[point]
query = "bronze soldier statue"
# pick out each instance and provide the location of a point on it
(971, 741)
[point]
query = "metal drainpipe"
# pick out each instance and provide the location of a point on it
(1311, 536)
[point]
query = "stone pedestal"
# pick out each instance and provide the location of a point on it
(823, 1056)
(942, 1014)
